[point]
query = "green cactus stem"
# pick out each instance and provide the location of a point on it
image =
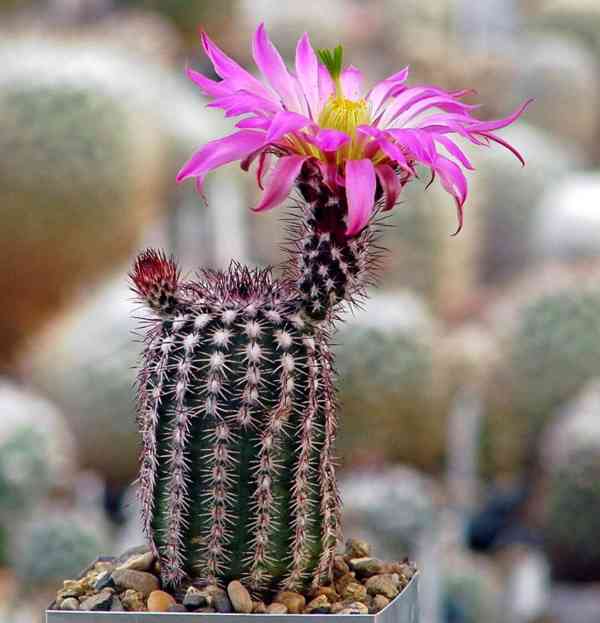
(237, 412)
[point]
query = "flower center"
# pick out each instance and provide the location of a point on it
(344, 115)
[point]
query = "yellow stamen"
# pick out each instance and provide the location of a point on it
(345, 115)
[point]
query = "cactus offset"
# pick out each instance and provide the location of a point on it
(237, 418)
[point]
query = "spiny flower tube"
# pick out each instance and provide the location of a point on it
(366, 146)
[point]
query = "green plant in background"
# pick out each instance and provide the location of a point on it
(572, 504)
(76, 184)
(55, 546)
(186, 15)
(387, 368)
(552, 351)
(470, 591)
(36, 457)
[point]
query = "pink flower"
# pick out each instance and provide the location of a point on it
(319, 113)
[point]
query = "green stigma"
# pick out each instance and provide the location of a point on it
(332, 59)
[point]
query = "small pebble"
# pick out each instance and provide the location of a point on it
(340, 567)
(341, 583)
(379, 603)
(294, 602)
(177, 608)
(220, 602)
(328, 591)
(104, 580)
(337, 607)
(366, 567)
(319, 605)
(70, 603)
(259, 607)
(276, 608)
(355, 607)
(133, 601)
(159, 601)
(354, 591)
(139, 581)
(72, 588)
(381, 585)
(195, 598)
(240, 597)
(139, 562)
(102, 602)
(357, 548)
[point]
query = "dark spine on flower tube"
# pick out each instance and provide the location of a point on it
(327, 266)
(237, 414)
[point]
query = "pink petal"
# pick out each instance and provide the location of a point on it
(390, 183)
(270, 63)
(284, 122)
(243, 102)
(281, 180)
(237, 77)
(307, 70)
(221, 151)
(453, 181)
(209, 87)
(328, 140)
(405, 100)
(418, 142)
(254, 123)
(382, 90)
(454, 150)
(360, 194)
(351, 79)
(504, 143)
(486, 126)
(440, 102)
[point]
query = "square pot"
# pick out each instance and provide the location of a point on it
(403, 609)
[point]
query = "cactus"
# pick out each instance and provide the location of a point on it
(236, 389)
(397, 380)
(36, 451)
(55, 546)
(551, 350)
(236, 393)
(571, 507)
(236, 396)
(76, 166)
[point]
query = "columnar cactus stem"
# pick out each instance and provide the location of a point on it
(327, 266)
(235, 429)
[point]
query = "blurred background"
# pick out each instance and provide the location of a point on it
(470, 426)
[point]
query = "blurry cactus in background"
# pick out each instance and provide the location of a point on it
(55, 545)
(78, 180)
(550, 350)
(394, 508)
(36, 455)
(568, 494)
(472, 591)
(572, 504)
(85, 363)
(507, 202)
(388, 369)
